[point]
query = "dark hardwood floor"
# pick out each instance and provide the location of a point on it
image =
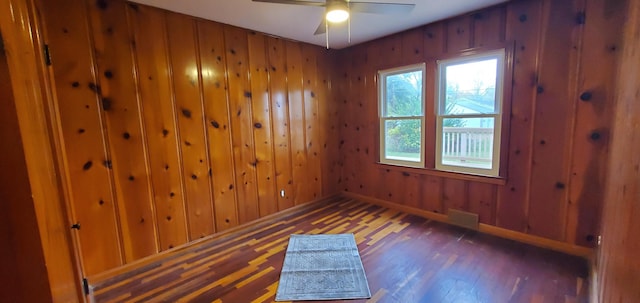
(406, 258)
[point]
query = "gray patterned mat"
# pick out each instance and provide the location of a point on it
(322, 267)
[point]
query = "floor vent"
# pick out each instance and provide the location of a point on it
(463, 219)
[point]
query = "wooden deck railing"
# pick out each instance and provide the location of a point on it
(467, 144)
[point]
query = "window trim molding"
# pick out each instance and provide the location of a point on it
(498, 159)
(382, 94)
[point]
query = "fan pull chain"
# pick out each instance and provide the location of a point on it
(326, 29)
(349, 21)
(349, 29)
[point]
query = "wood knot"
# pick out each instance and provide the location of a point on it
(560, 185)
(215, 124)
(106, 104)
(586, 96)
(186, 113)
(581, 18)
(108, 164)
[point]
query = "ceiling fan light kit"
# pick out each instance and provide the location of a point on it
(337, 11)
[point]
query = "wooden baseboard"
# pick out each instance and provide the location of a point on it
(178, 249)
(563, 247)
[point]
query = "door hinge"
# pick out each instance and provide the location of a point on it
(85, 286)
(47, 55)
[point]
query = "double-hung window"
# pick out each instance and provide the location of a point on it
(468, 109)
(469, 113)
(401, 112)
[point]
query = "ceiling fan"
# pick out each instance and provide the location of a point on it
(337, 11)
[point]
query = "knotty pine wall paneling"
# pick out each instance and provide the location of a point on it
(128, 161)
(556, 147)
(80, 108)
(512, 203)
(216, 107)
(593, 116)
(329, 119)
(159, 123)
(553, 115)
(313, 128)
(296, 119)
(263, 136)
(618, 266)
(184, 62)
(175, 128)
(280, 115)
(241, 125)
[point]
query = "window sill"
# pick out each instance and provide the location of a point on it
(445, 174)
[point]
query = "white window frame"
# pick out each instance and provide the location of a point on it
(500, 55)
(382, 95)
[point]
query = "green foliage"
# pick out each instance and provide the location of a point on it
(404, 94)
(403, 136)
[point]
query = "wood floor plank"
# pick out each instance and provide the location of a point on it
(406, 259)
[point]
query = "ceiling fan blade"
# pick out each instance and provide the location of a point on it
(380, 8)
(322, 27)
(296, 2)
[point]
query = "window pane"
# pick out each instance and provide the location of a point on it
(403, 94)
(402, 140)
(468, 142)
(471, 88)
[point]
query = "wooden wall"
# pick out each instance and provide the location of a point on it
(618, 267)
(560, 119)
(23, 276)
(174, 128)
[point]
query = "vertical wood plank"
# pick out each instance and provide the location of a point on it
(413, 46)
(78, 104)
(482, 201)
(618, 264)
(489, 27)
(158, 113)
(261, 110)
(434, 40)
(313, 128)
(458, 34)
(330, 121)
(216, 108)
(434, 46)
(411, 190)
(280, 116)
(297, 129)
(513, 198)
(241, 124)
(454, 194)
(112, 44)
(183, 58)
(601, 41)
(432, 194)
(553, 114)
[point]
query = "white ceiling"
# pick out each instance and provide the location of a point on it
(299, 22)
